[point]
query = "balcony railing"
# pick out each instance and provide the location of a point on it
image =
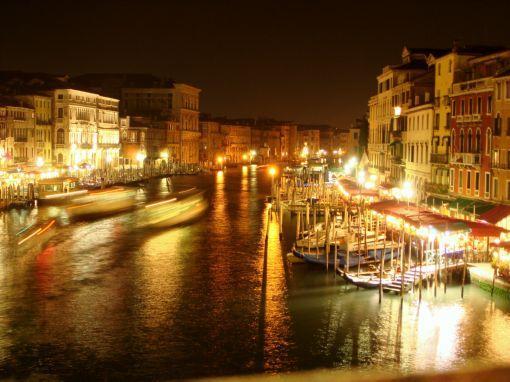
(502, 166)
(472, 159)
(479, 84)
(439, 158)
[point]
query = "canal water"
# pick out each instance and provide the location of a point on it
(102, 299)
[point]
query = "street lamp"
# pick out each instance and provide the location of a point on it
(39, 162)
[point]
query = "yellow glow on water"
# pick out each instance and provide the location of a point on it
(245, 171)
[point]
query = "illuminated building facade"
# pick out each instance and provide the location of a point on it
(17, 133)
(86, 129)
(43, 110)
(312, 138)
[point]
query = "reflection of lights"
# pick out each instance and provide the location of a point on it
(245, 157)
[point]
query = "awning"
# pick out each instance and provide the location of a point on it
(418, 216)
(467, 206)
(496, 214)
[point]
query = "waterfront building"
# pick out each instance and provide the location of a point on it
(398, 88)
(86, 129)
(212, 148)
(478, 147)
(237, 142)
(309, 137)
(43, 109)
(133, 141)
(416, 140)
(471, 137)
(173, 107)
(501, 138)
(449, 68)
(18, 133)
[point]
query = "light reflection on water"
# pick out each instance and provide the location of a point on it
(103, 299)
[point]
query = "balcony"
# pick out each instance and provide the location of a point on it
(439, 158)
(479, 84)
(471, 159)
(501, 166)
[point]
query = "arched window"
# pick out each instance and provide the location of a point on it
(461, 143)
(452, 146)
(478, 141)
(488, 144)
(60, 158)
(60, 137)
(469, 141)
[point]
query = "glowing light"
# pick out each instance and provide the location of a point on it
(305, 151)
(219, 160)
(245, 157)
(164, 155)
(397, 110)
(140, 156)
(39, 162)
(272, 171)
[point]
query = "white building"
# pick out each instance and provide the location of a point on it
(86, 129)
(417, 142)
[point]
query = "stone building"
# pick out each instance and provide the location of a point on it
(237, 142)
(398, 88)
(309, 137)
(501, 138)
(18, 133)
(43, 109)
(212, 146)
(133, 140)
(171, 106)
(416, 140)
(86, 129)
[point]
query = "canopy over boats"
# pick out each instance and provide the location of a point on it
(419, 217)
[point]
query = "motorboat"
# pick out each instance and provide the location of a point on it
(173, 211)
(105, 202)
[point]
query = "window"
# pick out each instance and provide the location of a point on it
(469, 145)
(487, 184)
(495, 188)
(489, 104)
(60, 96)
(507, 89)
(488, 144)
(460, 180)
(60, 137)
(439, 69)
(461, 141)
(478, 141)
(498, 90)
(454, 111)
(508, 126)
(436, 123)
(462, 107)
(452, 179)
(449, 66)
(471, 106)
(479, 105)
(508, 189)
(60, 113)
(468, 180)
(477, 183)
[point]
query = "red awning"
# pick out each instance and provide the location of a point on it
(418, 216)
(496, 214)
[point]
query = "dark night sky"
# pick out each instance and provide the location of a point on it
(312, 62)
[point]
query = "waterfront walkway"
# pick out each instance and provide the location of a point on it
(482, 274)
